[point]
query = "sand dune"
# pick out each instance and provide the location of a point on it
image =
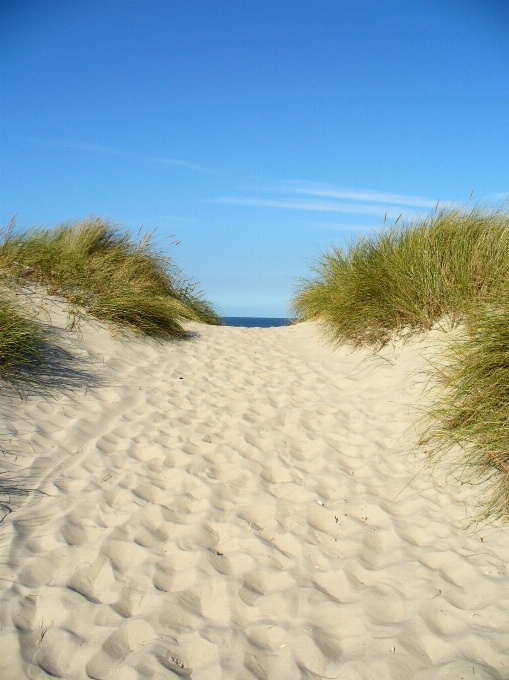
(245, 505)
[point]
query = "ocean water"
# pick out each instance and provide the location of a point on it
(254, 321)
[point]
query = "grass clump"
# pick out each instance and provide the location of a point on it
(408, 278)
(102, 271)
(472, 409)
(452, 265)
(21, 344)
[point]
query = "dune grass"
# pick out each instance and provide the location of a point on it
(21, 343)
(98, 270)
(471, 411)
(409, 277)
(104, 272)
(451, 266)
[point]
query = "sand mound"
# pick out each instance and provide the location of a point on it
(243, 505)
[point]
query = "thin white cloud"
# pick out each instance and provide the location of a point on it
(101, 148)
(320, 206)
(369, 197)
(175, 161)
(363, 195)
(321, 197)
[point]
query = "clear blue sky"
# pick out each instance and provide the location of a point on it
(258, 132)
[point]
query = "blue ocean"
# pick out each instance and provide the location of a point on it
(254, 321)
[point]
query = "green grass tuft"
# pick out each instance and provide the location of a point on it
(472, 407)
(21, 344)
(453, 266)
(102, 271)
(408, 278)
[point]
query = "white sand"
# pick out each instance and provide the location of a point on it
(244, 505)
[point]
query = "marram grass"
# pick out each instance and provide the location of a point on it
(102, 271)
(471, 412)
(21, 344)
(451, 266)
(404, 280)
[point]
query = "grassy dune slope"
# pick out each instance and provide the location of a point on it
(98, 270)
(21, 344)
(102, 271)
(408, 278)
(472, 407)
(452, 266)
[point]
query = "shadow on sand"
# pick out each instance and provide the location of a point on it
(60, 372)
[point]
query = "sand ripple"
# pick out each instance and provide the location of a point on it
(246, 505)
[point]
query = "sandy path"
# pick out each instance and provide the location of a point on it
(241, 506)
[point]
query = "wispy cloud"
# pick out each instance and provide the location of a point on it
(101, 148)
(320, 206)
(175, 161)
(320, 197)
(364, 195)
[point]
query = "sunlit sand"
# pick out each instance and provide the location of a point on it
(244, 505)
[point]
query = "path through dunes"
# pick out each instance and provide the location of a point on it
(246, 505)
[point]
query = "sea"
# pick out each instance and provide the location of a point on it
(254, 321)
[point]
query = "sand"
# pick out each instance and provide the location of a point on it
(244, 505)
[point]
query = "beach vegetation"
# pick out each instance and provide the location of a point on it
(102, 271)
(469, 414)
(450, 268)
(22, 342)
(404, 280)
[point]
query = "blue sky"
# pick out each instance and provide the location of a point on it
(258, 132)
